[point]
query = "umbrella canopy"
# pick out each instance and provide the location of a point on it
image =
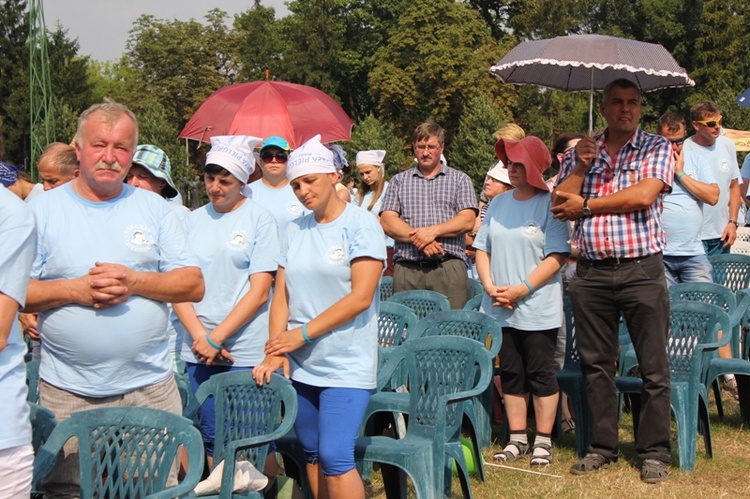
(744, 99)
(590, 62)
(265, 108)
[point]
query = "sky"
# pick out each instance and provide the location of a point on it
(101, 26)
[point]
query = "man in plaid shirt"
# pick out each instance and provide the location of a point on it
(428, 210)
(613, 186)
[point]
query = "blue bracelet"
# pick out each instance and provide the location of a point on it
(680, 175)
(531, 288)
(304, 333)
(210, 342)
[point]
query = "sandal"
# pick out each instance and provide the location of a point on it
(568, 426)
(653, 471)
(541, 459)
(512, 451)
(591, 462)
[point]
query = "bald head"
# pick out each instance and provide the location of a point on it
(57, 165)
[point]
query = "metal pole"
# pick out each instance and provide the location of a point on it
(591, 104)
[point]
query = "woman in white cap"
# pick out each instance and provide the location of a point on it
(372, 187)
(235, 241)
(520, 250)
(324, 320)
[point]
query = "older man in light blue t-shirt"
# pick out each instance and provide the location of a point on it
(108, 258)
(685, 259)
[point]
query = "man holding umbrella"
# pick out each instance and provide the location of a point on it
(613, 186)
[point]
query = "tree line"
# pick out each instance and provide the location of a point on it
(391, 64)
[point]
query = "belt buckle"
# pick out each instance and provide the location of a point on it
(617, 261)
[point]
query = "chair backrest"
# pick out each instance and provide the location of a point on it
(572, 359)
(465, 323)
(740, 247)
(732, 271)
(476, 287)
(440, 369)
(42, 424)
(32, 380)
(474, 303)
(386, 287)
(692, 325)
(394, 322)
(126, 451)
(245, 410)
(705, 292)
(422, 302)
(743, 234)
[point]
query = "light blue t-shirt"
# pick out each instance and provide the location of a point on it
(722, 159)
(682, 217)
(175, 338)
(367, 199)
(317, 261)
(231, 247)
(282, 203)
(518, 235)
(16, 256)
(114, 350)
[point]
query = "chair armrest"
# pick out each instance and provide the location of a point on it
(389, 360)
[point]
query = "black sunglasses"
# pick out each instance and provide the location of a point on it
(281, 156)
(677, 142)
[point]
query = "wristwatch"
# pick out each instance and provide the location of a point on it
(735, 222)
(586, 209)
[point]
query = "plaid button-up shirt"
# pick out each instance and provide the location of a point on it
(623, 235)
(422, 202)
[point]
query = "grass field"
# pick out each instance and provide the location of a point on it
(726, 475)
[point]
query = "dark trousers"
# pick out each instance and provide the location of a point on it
(599, 292)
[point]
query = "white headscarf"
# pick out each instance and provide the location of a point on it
(310, 157)
(234, 153)
(373, 157)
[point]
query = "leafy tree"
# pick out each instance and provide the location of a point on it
(180, 63)
(436, 57)
(259, 42)
(14, 78)
(473, 150)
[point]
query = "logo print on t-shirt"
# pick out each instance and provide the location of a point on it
(139, 238)
(336, 255)
(294, 208)
(237, 240)
(531, 229)
(724, 166)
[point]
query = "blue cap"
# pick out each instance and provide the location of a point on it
(276, 141)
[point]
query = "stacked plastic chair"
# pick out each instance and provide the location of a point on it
(126, 452)
(386, 287)
(422, 302)
(248, 418)
(444, 372)
(693, 333)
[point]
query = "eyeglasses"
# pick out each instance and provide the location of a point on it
(710, 124)
(677, 142)
(428, 147)
(280, 156)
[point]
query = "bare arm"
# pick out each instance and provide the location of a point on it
(730, 231)
(743, 191)
(8, 309)
(586, 152)
(636, 197)
(109, 284)
(707, 193)
(459, 225)
(278, 319)
(394, 227)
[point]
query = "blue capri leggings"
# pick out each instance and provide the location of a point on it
(198, 374)
(328, 420)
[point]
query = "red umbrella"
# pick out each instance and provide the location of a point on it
(265, 108)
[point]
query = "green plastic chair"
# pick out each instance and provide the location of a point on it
(125, 452)
(732, 270)
(476, 287)
(423, 302)
(42, 424)
(693, 332)
(444, 373)
(386, 287)
(394, 322)
(248, 418)
(32, 380)
(571, 381)
(474, 303)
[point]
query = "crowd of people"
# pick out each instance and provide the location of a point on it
(120, 285)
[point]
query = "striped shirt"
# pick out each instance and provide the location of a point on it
(422, 202)
(623, 235)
